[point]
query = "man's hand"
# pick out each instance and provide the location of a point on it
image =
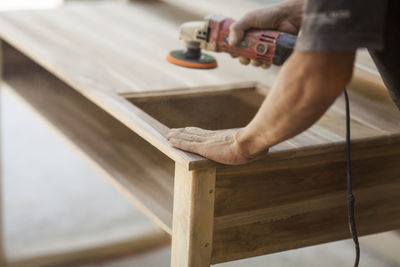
(284, 17)
(220, 146)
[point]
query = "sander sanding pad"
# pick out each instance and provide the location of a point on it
(205, 61)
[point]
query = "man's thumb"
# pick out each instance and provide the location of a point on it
(236, 33)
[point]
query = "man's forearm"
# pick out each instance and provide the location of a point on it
(305, 88)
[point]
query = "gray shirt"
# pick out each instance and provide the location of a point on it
(342, 25)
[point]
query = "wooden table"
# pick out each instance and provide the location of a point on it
(97, 74)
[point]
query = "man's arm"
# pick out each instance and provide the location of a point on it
(306, 86)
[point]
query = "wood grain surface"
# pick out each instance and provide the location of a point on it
(94, 70)
(115, 47)
(265, 208)
(107, 51)
(216, 110)
(193, 217)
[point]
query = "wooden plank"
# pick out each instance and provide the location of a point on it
(274, 182)
(284, 204)
(135, 167)
(220, 110)
(377, 210)
(193, 91)
(193, 217)
(140, 244)
(221, 107)
(116, 45)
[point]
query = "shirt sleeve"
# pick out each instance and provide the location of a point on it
(342, 25)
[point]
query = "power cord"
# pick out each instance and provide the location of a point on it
(350, 197)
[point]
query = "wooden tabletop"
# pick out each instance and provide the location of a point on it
(106, 51)
(116, 47)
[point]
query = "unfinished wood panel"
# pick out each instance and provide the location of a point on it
(221, 108)
(138, 169)
(117, 46)
(285, 204)
(193, 217)
(213, 111)
(377, 210)
(272, 183)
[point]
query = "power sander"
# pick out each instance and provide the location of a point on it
(266, 46)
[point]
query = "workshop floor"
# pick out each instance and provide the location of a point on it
(54, 202)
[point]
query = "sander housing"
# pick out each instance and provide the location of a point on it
(266, 46)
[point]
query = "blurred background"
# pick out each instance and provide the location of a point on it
(53, 202)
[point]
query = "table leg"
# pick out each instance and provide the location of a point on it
(193, 217)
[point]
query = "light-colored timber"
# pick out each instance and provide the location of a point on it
(97, 73)
(193, 217)
(118, 47)
(120, 57)
(302, 201)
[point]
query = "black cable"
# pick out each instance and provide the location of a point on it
(350, 197)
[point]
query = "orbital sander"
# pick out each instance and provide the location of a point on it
(267, 46)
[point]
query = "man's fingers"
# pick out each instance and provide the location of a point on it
(244, 60)
(182, 144)
(190, 137)
(173, 132)
(191, 134)
(236, 33)
(190, 130)
(191, 146)
(265, 65)
(255, 63)
(237, 29)
(259, 18)
(196, 130)
(177, 131)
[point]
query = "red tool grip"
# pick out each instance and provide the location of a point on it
(269, 46)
